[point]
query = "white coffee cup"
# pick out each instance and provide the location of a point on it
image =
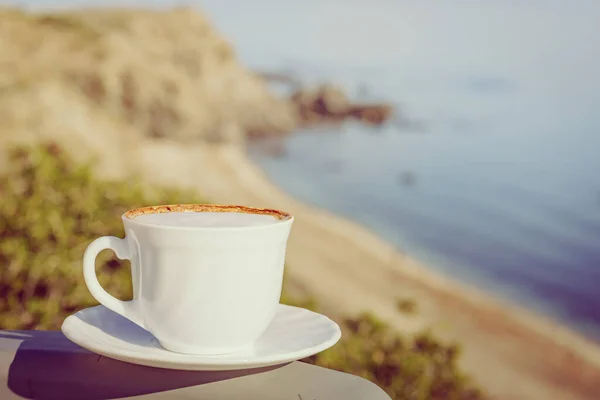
(198, 290)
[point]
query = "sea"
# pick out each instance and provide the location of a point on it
(489, 171)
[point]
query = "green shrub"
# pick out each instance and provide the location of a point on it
(52, 208)
(406, 306)
(415, 367)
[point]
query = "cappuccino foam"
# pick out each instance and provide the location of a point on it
(207, 219)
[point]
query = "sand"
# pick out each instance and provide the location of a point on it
(511, 352)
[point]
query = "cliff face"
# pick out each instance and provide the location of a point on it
(103, 79)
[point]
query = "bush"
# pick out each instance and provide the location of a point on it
(51, 209)
(418, 367)
(406, 306)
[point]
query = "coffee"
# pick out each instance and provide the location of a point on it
(207, 219)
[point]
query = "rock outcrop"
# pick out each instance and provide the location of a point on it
(328, 103)
(102, 78)
(100, 81)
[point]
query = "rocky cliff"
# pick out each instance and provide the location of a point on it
(104, 79)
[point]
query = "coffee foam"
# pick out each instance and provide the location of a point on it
(206, 215)
(207, 219)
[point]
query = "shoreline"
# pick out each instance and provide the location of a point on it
(350, 269)
(369, 240)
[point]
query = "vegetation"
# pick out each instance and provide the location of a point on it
(406, 306)
(407, 367)
(52, 208)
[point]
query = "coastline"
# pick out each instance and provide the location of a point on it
(510, 351)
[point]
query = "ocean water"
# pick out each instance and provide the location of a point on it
(496, 180)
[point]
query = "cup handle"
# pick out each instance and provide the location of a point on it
(127, 309)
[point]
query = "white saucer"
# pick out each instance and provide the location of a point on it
(294, 333)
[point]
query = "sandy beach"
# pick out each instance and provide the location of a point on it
(512, 353)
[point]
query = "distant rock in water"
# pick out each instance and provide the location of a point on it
(101, 79)
(328, 103)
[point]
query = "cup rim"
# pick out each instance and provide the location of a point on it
(130, 215)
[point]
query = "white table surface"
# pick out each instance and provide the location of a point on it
(46, 365)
